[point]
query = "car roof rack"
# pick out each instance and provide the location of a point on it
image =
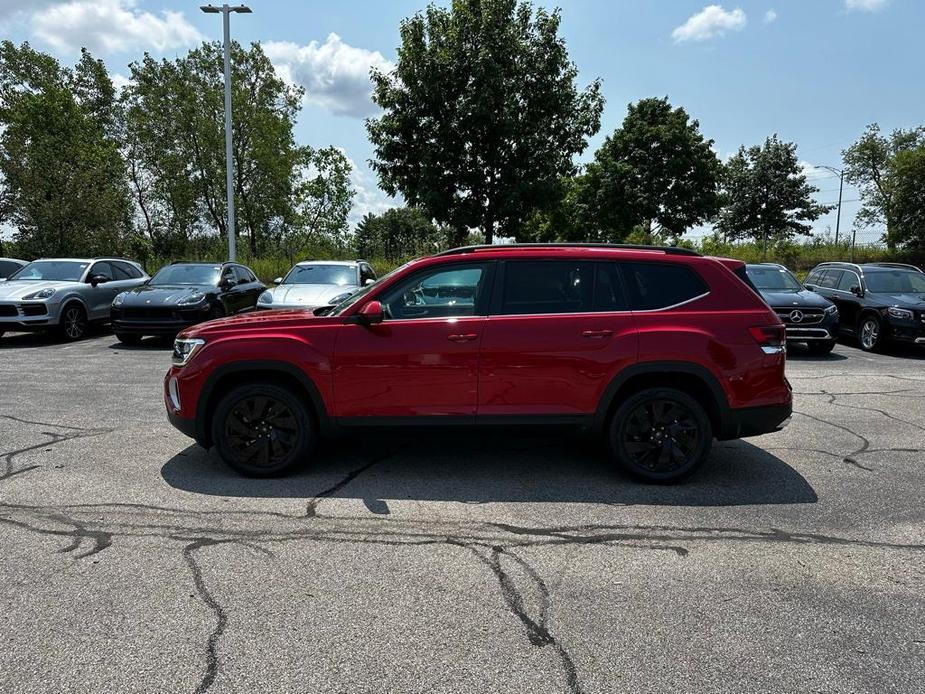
(668, 250)
(905, 266)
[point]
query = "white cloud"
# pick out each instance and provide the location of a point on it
(335, 74)
(369, 197)
(770, 16)
(119, 81)
(711, 21)
(866, 5)
(111, 26)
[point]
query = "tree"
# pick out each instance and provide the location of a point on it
(481, 114)
(64, 186)
(396, 234)
(867, 166)
(176, 151)
(765, 194)
(321, 199)
(656, 173)
(907, 176)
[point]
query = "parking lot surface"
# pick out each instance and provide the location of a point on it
(133, 561)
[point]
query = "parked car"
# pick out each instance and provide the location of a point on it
(658, 349)
(809, 317)
(183, 294)
(877, 302)
(315, 283)
(10, 265)
(65, 294)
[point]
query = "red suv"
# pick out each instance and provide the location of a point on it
(659, 349)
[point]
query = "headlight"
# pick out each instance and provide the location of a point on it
(119, 299)
(41, 294)
(265, 298)
(192, 299)
(900, 313)
(831, 310)
(184, 348)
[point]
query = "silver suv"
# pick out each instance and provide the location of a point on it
(65, 294)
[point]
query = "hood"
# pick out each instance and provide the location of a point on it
(17, 289)
(902, 300)
(310, 295)
(795, 299)
(162, 295)
(259, 320)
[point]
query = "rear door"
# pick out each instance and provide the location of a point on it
(558, 330)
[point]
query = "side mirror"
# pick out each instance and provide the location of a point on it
(278, 280)
(97, 279)
(856, 290)
(226, 283)
(810, 287)
(369, 282)
(371, 313)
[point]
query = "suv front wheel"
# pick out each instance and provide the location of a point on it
(870, 333)
(660, 435)
(262, 430)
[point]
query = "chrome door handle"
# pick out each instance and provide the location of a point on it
(597, 333)
(467, 337)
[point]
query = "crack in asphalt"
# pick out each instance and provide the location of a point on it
(312, 506)
(221, 617)
(53, 438)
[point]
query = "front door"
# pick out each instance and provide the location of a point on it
(422, 360)
(99, 298)
(557, 332)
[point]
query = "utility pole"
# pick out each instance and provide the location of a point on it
(226, 11)
(841, 185)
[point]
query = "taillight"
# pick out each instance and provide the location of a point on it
(771, 338)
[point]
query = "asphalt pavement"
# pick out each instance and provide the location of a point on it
(134, 561)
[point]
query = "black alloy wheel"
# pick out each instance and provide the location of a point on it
(73, 322)
(660, 435)
(262, 430)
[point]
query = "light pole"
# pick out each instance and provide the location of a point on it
(226, 11)
(841, 184)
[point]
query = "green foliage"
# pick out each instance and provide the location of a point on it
(907, 176)
(655, 172)
(481, 115)
(401, 232)
(765, 194)
(868, 164)
(63, 177)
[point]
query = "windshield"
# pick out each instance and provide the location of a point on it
(896, 282)
(187, 274)
(353, 298)
(52, 270)
(772, 279)
(341, 275)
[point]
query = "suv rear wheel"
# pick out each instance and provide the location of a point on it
(660, 435)
(262, 430)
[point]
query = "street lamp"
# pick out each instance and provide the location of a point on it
(226, 11)
(841, 181)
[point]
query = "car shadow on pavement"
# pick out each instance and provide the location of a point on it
(30, 340)
(482, 468)
(148, 344)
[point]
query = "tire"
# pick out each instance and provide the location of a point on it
(73, 325)
(129, 338)
(820, 348)
(665, 451)
(262, 430)
(870, 333)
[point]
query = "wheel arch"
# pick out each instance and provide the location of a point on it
(693, 379)
(226, 377)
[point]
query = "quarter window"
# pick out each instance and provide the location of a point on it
(547, 286)
(654, 286)
(440, 293)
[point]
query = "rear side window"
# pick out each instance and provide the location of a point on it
(124, 271)
(653, 286)
(547, 286)
(608, 289)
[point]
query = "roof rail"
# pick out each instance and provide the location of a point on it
(668, 250)
(906, 266)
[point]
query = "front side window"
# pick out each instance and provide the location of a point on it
(340, 275)
(772, 279)
(439, 293)
(101, 269)
(830, 279)
(896, 282)
(52, 270)
(848, 280)
(547, 286)
(187, 274)
(653, 286)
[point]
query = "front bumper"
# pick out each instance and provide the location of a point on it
(28, 315)
(164, 322)
(907, 330)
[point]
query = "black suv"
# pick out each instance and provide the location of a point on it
(809, 317)
(876, 301)
(184, 294)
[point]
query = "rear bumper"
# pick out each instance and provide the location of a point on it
(754, 421)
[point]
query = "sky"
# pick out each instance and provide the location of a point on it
(815, 72)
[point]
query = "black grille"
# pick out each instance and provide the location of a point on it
(8, 310)
(149, 314)
(807, 316)
(34, 310)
